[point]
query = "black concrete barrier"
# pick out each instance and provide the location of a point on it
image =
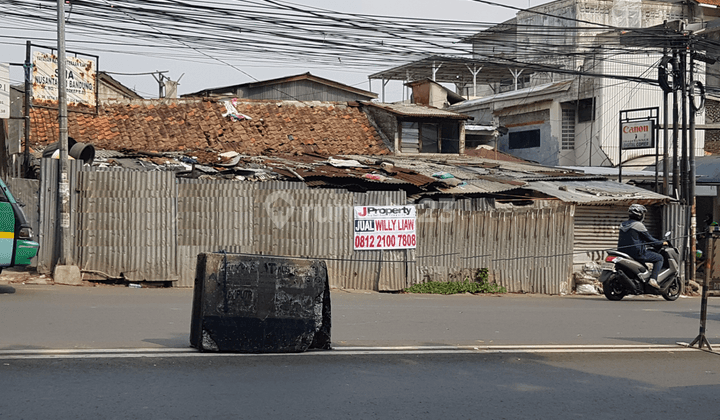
(260, 304)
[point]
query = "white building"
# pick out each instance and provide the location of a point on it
(569, 115)
(557, 77)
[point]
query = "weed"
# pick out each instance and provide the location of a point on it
(479, 285)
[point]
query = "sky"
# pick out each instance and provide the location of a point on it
(204, 73)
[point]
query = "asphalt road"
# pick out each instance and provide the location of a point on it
(58, 317)
(399, 386)
(113, 352)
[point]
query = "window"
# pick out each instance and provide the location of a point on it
(429, 136)
(418, 137)
(525, 139)
(409, 137)
(586, 110)
(568, 129)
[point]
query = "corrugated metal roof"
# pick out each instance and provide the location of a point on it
(612, 172)
(707, 169)
(596, 192)
(526, 94)
(420, 111)
(483, 186)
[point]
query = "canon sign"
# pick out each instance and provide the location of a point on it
(636, 129)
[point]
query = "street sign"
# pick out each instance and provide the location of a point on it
(638, 135)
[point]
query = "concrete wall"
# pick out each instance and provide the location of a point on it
(387, 123)
(549, 151)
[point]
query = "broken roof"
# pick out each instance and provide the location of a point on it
(596, 192)
(198, 126)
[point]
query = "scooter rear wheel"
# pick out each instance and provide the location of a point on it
(613, 288)
(673, 291)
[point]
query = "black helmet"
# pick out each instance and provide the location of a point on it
(637, 211)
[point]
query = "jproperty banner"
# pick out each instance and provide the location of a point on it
(384, 227)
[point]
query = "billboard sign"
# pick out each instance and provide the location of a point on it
(637, 134)
(4, 90)
(80, 79)
(384, 227)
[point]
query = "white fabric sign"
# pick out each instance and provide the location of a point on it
(80, 79)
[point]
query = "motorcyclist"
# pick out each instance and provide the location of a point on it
(634, 239)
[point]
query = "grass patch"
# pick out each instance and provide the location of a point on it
(479, 285)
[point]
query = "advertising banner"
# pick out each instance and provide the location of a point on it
(384, 227)
(80, 79)
(4, 90)
(638, 135)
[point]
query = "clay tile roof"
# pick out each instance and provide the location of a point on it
(195, 125)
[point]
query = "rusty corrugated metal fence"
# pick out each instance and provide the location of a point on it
(151, 226)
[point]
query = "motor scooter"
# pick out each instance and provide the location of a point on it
(622, 275)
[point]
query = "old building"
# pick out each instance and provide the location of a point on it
(558, 76)
(301, 87)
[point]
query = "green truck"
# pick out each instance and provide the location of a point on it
(17, 246)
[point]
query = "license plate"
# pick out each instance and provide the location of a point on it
(608, 266)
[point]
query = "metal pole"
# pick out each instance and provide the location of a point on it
(621, 150)
(666, 139)
(666, 146)
(684, 166)
(657, 154)
(27, 67)
(676, 127)
(701, 340)
(64, 184)
(691, 156)
(684, 114)
(383, 89)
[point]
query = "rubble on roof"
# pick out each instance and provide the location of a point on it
(322, 144)
(418, 177)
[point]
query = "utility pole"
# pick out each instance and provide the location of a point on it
(160, 78)
(666, 134)
(691, 156)
(27, 72)
(676, 128)
(64, 186)
(65, 271)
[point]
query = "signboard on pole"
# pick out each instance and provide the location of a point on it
(637, 135)
(4, 90)
(384, 227)
(80, 79)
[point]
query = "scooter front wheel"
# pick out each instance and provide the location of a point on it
(674, 290)
(613, 289)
